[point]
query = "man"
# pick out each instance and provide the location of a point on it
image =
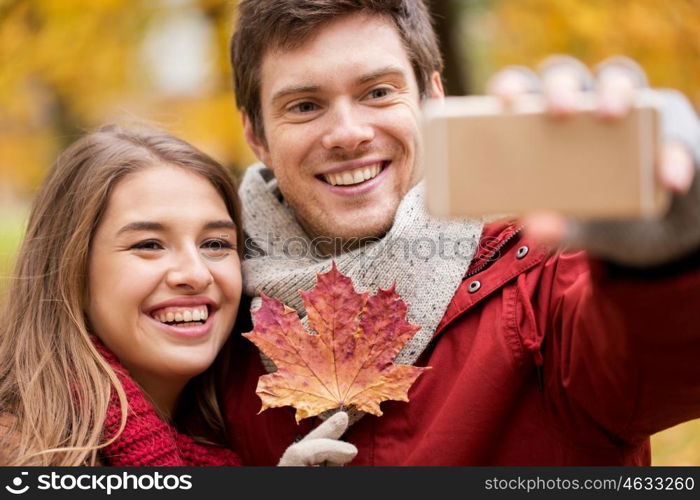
(538, 356)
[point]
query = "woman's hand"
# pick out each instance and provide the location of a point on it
(321, 445)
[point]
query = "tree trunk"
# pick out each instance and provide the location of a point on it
(448, 15)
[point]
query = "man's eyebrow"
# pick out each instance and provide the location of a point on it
(157, 226)
(310, 89)
(381, 73)
(294, 89)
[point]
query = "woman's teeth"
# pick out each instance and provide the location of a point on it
(355, 176)
(183, 316)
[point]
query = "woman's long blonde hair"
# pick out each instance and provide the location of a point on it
(54, 385)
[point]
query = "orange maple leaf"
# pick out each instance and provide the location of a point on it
(347, 361)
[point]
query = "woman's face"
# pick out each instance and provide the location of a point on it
(164, 275)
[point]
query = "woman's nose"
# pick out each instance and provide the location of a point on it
(189, 272)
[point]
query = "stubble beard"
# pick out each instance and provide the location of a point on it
(330, 238)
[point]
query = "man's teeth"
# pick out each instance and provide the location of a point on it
(188, 315)
(355, 176)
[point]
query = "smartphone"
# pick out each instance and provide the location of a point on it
(481, 159)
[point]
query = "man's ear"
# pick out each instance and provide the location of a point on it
(258, 146)
(436, 90)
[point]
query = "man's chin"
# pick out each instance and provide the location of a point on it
(336, 235)
(340, 239)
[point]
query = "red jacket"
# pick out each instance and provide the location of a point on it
(552, 359)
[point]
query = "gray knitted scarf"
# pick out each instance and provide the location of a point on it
(426, 258)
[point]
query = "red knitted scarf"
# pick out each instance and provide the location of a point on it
(147, 440)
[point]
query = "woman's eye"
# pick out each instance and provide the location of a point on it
(216, 248)
(147, 245)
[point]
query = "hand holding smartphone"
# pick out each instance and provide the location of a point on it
(480, 159)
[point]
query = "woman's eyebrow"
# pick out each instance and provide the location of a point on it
(220, 224)
(141, 226)
(157, 226)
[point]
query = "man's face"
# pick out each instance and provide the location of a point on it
(341, 115)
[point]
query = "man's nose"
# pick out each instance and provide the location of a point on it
(347, 129)
(189, 272)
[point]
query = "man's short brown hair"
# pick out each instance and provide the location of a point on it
(287, 24)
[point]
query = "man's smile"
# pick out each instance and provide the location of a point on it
(356, 181)
(354, 173)
(354, 176)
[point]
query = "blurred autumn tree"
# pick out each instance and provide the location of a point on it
(664, 36)
(70, 65)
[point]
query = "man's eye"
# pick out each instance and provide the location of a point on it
(216, 248)
(303, 107)
(379, 93)
(147, 245)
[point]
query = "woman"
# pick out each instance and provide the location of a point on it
(117, 321)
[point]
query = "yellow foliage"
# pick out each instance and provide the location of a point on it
(678, 446)
(67, 66)
(663, 36)
(211, 123)
(31, 151)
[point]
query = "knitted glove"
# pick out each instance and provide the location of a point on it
(648, 243)
(321, 446)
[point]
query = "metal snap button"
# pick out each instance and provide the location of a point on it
(474, 286)
(522, 252)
